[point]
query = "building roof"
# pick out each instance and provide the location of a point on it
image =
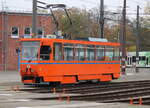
(23, 13)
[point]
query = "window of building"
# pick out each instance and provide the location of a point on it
(45, 52)
(40, 31)
(100, 53)
(15, 32)
(68, 52)
(27, 31)
(58, 51)
(79, 54)
(90, 53)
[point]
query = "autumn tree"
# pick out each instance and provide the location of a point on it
(85, 23)
(145, 30)
(81, 22)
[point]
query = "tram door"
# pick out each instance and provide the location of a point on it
(129, 61)
(146, 60)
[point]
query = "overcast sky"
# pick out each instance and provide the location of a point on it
(112, 5)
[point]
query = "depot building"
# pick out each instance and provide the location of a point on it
(16, 25)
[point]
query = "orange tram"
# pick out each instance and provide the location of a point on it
(60, 61)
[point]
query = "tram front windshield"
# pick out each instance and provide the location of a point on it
(30, 50)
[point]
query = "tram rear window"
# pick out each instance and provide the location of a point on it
(30, 50)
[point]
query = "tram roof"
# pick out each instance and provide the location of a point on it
(70, 41)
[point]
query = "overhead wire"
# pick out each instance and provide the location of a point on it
(91, 2)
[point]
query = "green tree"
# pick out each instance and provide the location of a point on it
(80, 23)
(146, 19)
(145, 30)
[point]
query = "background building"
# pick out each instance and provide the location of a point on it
(13, 26)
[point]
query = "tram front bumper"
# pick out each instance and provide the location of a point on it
(28, 79)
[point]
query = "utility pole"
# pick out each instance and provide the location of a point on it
(101, 19)
(123, 40)
(4, 37)
(137, 39)
(34, 19)
(4, 40)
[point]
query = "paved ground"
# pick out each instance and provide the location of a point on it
(21, 99)
(132, 75)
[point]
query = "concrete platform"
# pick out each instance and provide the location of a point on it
(21, 99)
(132, 75)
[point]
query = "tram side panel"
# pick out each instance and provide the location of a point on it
(67, 73)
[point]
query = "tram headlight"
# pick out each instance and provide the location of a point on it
(32, 70)
(23, 70)
(28, 66)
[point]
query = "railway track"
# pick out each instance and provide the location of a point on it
(109, 92)
(107, 87)
(90, 88)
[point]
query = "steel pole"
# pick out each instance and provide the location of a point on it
(34, 19)
(137, 39)
(101, 19)
(124, 39)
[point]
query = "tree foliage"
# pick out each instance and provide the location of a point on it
(145, 30)
(82, 23)
(85, 23)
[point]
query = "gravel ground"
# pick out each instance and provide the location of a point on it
(20, 99)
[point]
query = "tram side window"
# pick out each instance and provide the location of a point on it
(100, 53)
(90, 53)
(45, 52)
(79, 54)
(133, 58)
(142, 58)
(68, 52)
(57, 51)
(109, 53)
(116, 53)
